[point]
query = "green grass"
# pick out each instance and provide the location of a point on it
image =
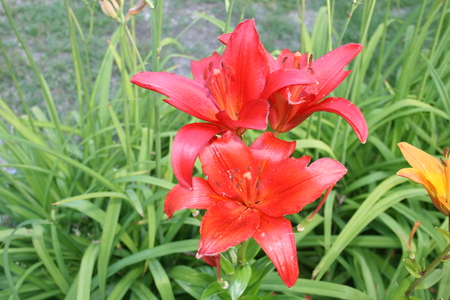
(97, 146)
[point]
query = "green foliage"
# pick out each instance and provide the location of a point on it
(82, 192)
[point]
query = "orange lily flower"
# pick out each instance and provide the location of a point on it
(433, 174)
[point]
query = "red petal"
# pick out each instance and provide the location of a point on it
(187, 145)
(253, 115)
(224, 38)
(184, 93)
(329, 69)
(225, 161)
(289, 185)
(276, 238)
(225, 225)
(198, 67)
(201, 196)
(268, 147)
(286, 77)
(212, 260)
(246, 57)
(346, 110)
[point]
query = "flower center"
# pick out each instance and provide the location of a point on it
(219, 82)
(301, 62)
(246, 185)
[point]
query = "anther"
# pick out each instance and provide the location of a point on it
(239, 183)
(227, 68)
(233, 173)
(297, 56)
(284, 62)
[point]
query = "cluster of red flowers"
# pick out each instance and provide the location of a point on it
(249, 190)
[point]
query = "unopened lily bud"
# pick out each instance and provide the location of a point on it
(108, 9)
(223, 283)
(303, 224)
(115, 4)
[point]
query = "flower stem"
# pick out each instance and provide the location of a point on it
(241, 252)
(428, 270)
(156, 14)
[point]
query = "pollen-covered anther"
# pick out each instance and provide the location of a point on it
(297, 56)
(310, 70)
(228, 68)
(283, 63)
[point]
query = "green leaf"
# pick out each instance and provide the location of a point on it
(85, 273)
(44, 255)
(312, 287)
(431, 279)
(445, 234)
(106, 245)
(215, 289)
(239, 282)
(413, 267)
(226, 265)
(161, 279)
(315, 144)
(122, 287)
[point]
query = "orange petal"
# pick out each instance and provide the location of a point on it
(430, 167)
(413, 175)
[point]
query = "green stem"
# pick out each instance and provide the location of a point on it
(156, 36)
(428, 270)
(241, 252)
(229, 12)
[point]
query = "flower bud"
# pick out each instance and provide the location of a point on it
(108, 9)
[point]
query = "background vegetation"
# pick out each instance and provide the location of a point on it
(75, 132)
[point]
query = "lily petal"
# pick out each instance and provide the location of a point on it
(225, 225)
(246, 58)
(286, 77)
(208, 63)
(276, 238)
(439, 200)
(224, 38)
(428, 165)
(184, 93)
(213, 261)
(201, 196)
(225, 162)
(329, 69)
(291, 185)
(253, 115)
(187, 145)
(268, 147)
(346, 110)
(413, 175)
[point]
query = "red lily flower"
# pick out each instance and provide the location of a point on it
(292, 105)
(226, 91)
(248, 192)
